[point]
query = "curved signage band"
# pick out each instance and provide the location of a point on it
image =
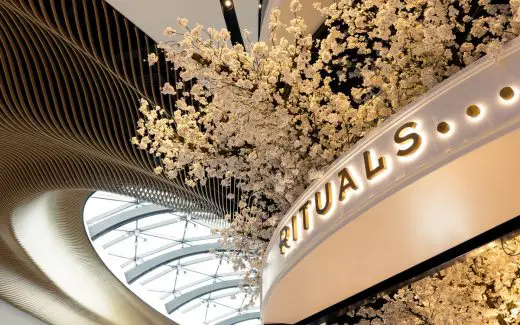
(470, 109)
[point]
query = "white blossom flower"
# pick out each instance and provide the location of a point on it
(182, 22)
(168, 89)
(169, 31)
(152, 59)
(295, 6)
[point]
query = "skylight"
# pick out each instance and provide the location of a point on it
(167, 258)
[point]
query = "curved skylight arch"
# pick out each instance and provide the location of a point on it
(167, 258)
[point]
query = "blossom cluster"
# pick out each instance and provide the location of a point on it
(270, 116)
(482, 288)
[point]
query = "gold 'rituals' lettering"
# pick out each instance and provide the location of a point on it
(305, 214)
(328, 200)
(285, 233)
(414, 137)
(407, 139)
(370, 171)
(343, 187)
(294, 223)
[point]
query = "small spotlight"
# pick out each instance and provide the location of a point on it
(443, 127)
(228, 4)
(507, 93)
(473, 111)
(259, 6)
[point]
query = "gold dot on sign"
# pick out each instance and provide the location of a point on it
(507, 93)
(473, 111)
(443, 127)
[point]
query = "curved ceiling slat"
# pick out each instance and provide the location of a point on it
(128, 87)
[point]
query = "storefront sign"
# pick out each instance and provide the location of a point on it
(408, 140)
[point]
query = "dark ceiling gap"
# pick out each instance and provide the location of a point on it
(232, 25)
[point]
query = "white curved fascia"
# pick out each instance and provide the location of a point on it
(477, 84)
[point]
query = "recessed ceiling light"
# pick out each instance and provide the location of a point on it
(507, 93)
(443, 127)
(473, 111)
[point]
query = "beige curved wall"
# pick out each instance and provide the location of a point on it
(437, 212)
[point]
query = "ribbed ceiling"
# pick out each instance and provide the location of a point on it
(71, 76)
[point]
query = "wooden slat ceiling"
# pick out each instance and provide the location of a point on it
(71, 74)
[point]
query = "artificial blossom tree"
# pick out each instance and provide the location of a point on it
(271, 115)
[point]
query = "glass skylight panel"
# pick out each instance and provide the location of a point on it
(138, 241)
